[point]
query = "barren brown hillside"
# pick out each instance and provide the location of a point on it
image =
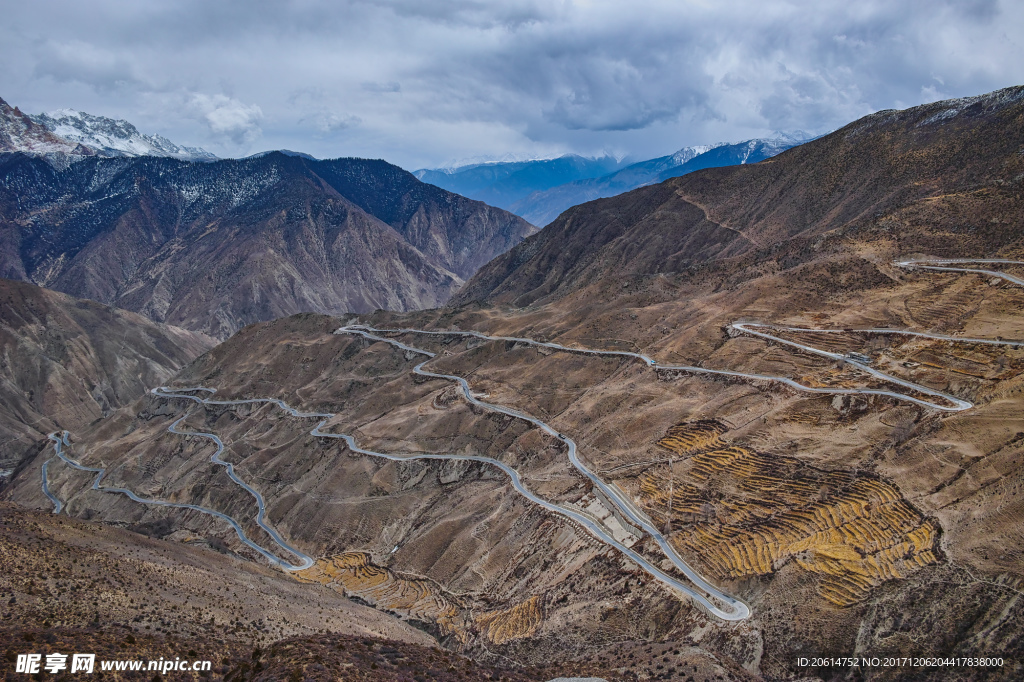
(65, 362)
(215, 246)
(175, 598)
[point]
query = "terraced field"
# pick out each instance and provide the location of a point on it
(983, 361)
(519, 621)
(354, 573)
(746, 513)
(693, 436)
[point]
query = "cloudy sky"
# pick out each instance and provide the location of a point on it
(425, 82)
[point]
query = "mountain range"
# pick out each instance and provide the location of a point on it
(540, 190)
(884, 164)
(114, 137)
(214, 246)
(502, 184)
(19, 133)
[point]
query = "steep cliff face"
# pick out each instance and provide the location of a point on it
(215, 246)
(66, 362)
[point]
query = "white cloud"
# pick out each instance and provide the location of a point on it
(382, 87)
(228, 117)
(83, 62)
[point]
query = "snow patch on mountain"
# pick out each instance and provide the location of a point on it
(988, 102)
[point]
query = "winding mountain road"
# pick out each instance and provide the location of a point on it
(942, 265)
(734, 608)
(699, 589)
(57, 504)
(61, 441)
(705, 594)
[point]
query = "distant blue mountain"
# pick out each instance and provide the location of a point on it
(504, 183)
(543, 206)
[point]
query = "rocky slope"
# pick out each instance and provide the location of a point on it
(447, 545)
(845, 538)
(229, 602)
(214, 246)
(173, 599)
(167, 595)
(66, 362)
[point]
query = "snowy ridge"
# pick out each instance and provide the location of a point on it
(939, 112)
(455, 165)
(19, 133)
(687, 153)
(111, 137)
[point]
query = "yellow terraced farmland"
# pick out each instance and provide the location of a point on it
(744, 513)
(684, 439)
(354, 573)
(517, 622)
(686, 499)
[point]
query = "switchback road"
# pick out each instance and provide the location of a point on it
(697, 588)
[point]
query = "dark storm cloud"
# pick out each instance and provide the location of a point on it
(420, 83)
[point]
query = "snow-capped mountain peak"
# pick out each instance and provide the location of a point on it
(114, 137)
(797, 136)
(19, 133)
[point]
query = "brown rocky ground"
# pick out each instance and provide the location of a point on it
(325, 657)
(59, 572)
(480, 568)
(74, 586)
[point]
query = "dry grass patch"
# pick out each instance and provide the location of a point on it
(517, 622)
(746, 513)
